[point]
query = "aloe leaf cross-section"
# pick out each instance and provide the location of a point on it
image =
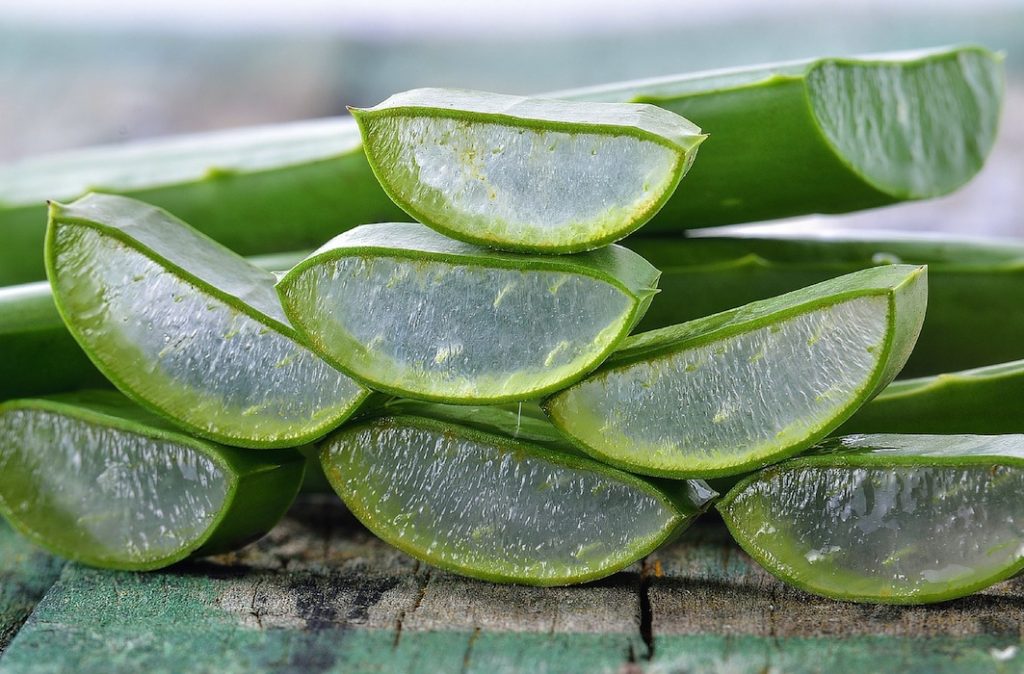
(187, 328)
(902, 519)
(746, 387)
(410, 312)
(826, 135)
(97, 479)
(526, 174)
(497, 495)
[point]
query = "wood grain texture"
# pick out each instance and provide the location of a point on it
(25, 574)
(320, 594)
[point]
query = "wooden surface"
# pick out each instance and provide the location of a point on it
(320, 594)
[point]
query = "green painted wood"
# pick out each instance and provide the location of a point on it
(26, 572)
(320, 594)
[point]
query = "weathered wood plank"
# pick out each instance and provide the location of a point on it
(320, 594)
(25, 574)
(711, 605)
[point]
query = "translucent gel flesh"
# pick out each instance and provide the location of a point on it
(496, 181)
(732, 399)
(102, 493)
(455, 330)
(885, 531)
(188, 353)
(918, 130)
(480, 507)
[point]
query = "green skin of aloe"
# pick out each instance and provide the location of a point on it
(292, 186)
(493, 170)
(41, 355)
(251, 490)
(986, 400)
(411, 313)
(887, 518)
(187, 328)
(497, 494)
(714, 274)
(734, 391)
(840, 134)
(975, 286)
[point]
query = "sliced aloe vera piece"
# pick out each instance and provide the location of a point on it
(491, 494)
(986, 400)
(826, 135)
(41, 356)
(187, 328)
(94, 478)
(900, 519)
(975, 286)
(415, 314)
(495, 170)
(743, 388)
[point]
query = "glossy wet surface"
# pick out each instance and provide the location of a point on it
(102, 493)
(188, 353)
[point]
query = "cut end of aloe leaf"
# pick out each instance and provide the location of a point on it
(888, 518)
(487, 504)
(187, 328)
(413, 313)
(95, 479)
(722, 394)
(495, 170)
(916, 126)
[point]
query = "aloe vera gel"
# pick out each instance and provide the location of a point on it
(888, 518)
(491, 494)
(412, 313)
(97, 479)
(526, 174)
(719, 395)
(187, 328)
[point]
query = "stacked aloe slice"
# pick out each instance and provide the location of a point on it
(469, 382)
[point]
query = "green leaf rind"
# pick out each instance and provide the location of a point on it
(614, 265)
(262, 484)
(905, 288)
(856, 451)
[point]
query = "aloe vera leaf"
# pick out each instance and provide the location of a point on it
(987, 400)
(902, 519)
(293, 185)
(187, 328)
(41, 356)
(256, 190)
(975, 287)
(495, 170)
(93, 477)
(415, 314)
(737, 390)
(487, 493)
(826, 135)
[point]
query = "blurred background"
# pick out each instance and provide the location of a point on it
(83, 72)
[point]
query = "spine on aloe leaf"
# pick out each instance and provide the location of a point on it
(783, 142)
